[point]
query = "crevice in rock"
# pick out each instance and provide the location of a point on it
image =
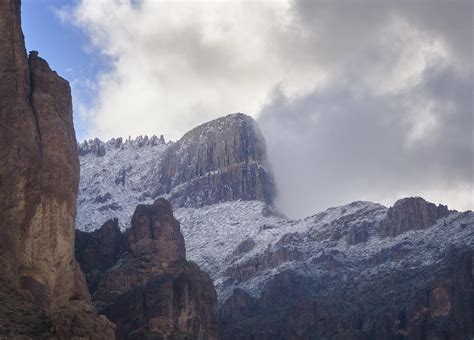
(34, 54)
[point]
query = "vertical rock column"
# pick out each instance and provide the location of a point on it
(39, 177)
(20, 152)
(39, 170)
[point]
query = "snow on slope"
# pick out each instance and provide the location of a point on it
(114, 183)
(240, 244)
(114, 179)
(213, 233)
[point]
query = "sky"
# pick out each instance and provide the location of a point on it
(357, 100)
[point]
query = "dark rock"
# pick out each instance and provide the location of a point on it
(103, 198)
(179, 303)
(295, 307)
(114, 206)
(98, 251)
(120, 179)
(244, 247)
(237, 306)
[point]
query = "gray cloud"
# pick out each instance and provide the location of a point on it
(395, 117)
(338, 144)
(341, 26)
(358, 99)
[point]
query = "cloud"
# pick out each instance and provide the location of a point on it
(396, 120)
(341, 144)
(357, 99)
(177, 64)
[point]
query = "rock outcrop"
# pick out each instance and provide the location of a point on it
(39, 176)
(412, 213)
(222, 160)
(142, 281)
(99, 251)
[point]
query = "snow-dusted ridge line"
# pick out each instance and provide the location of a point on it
(213, 233)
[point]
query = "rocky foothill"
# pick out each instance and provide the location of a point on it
(142, 281)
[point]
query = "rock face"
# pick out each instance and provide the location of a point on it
(99, 251)
(141, 280)
(222, 160)
(440, 309)
(39, 176)
(411, 213)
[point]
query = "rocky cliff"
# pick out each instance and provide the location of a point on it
(39, 176)
(411, 214)
(141, 280)
(222, 160)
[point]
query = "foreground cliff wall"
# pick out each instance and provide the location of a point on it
(39, 176)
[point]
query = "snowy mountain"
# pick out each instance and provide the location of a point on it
(350, 271)
(113, 177)
(222, 160)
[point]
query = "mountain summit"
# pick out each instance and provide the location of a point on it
(222, 160)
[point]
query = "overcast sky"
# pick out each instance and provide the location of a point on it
(358, 100)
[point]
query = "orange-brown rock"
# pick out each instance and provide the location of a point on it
(39, 176)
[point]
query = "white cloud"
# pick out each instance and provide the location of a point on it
(177, 64)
